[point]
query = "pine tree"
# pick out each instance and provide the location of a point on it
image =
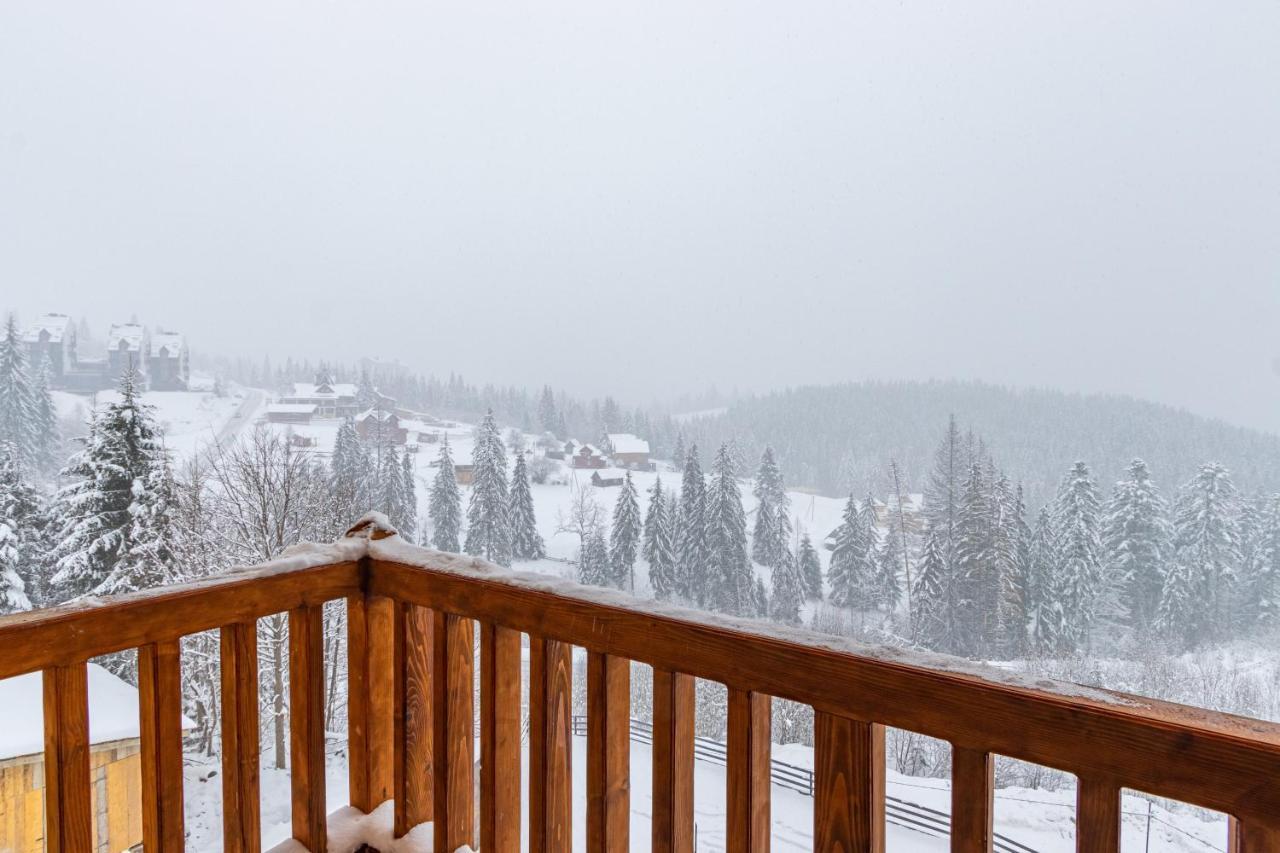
(526, 542)
(593, 561)
(1263, 582)
(1199, 587)
(929, 598)
(977, 583)
(888, 566)
(624, 537)
(17, 404)
(408, 526)
(349, 476)
(731, 586)
(662, 554)
(1136, 539)
(652, 517)
(788, 591)
(1044, 601)
(850, 575)
(691, 533)
(810, 566)
(151, 557)
(1014, 549)
(19, 543)
(445, 504)
(547, 418)
(45, 434)
(391, 497)
(771, 536)
(116, 464)
(488, 527)
(1079, 570)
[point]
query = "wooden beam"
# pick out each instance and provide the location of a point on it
(500, 701)
(241, 826)
(453, 750)
(608, 753)
(412, 693)
(550, 745)
(160, 728)
(1097, 816)
(1252, 836)
(68, 813)
(973, 785)
(848, 809)
(748, 761)
(673, 712)
(1169, 750)
(306, 726)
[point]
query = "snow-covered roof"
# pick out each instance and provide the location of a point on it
(609, 473)
(291, 409)
(56, 325)
(113, 711)
(310, 389)
(169, 344)
(130, 334)
(625, 442)
(377, 414)
(595, 451)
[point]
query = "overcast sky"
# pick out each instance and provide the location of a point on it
(647, 198)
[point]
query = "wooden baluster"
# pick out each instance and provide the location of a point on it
(1097, 816)
(973, 780)
(748, 772)
(241, 830)
(68, 812)
(1252, 836)
(848, 809)
(414, 636)
(550, 744)
(360, 706)
(453, 750)
(160, 727)
(306, 726)
(500, 671)
(673, 712)
(608, 753)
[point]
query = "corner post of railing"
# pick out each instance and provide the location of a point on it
(1246, 835)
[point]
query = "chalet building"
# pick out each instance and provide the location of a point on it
(167, 362)
(127, 344)
(379, 425)
(291, 413)
(331, 399)
(629, 451)
(588, 456)
(52, 338)
(464, 474)
(608, 478)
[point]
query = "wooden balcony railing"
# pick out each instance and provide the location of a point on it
(412, 617)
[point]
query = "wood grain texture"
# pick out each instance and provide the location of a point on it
(550, 744)
(973, 785)
(1097, 816)
(500, 699)
(747, 748)
(848, 810)
(306, 726)
(359, 706)
(70, 633)
(1206, 758)
(68, 811)
(1253, 836)
(412, 717)
(453, 749)
(608, 753)
(673, 713)
(160, 729)
(241, 825)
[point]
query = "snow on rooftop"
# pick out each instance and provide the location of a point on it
(55, 324)
(130, 334)
(113, 711)
(625, 442)
(292, 408)
(310, 389)
(173, 342)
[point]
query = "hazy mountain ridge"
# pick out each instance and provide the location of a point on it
(838, 438)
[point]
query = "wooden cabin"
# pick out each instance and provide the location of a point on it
(629, 451)
(422, 626)
(291, 413)
(464, 474)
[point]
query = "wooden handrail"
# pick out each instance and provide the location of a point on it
(413, 615)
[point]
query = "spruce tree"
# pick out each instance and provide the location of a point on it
(1263, 582)
(732, 587)
(151, 557)
(888, 566)
(391, 497)
(662, 554)
(849, 574)
(547, 418)
(977, 584)
(652, 517)
(20, 544)
(929, 597)
(788, 591)
(624, 537)
(17, 404)
(691, 533)
(445, 504)
(1136, 539)
(409, 497)
(1078, 525)
(488, 525)
(526, 542)
(45, 435)
(771, 536)
(593, 560)
(810, 566)
(1044, 601)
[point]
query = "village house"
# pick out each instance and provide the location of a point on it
(291, 413)
(629, 451)
(378, 425)
(608, 478)
(167, 362)
(587, 456)
(331, 399)
(127, 344)
(464, 474)
(52, 338)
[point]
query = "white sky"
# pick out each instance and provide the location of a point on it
(647, 198)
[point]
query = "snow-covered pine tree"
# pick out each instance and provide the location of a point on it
(1199, 587)
(1263, 582)
(929, 598)
(810, 566)
(691, 532)
(445, 504)
(153, 549)
(771, 535)
(731, 585)
(19, 519)
(662, 556)
(349, 479)
(678, 454)
(526, 542)
(46, 436)
(391, 487)
(547, 410)
(849, 574)
(488, 527)
(115, 467)
(1136, 540)
(652, 516)
(593, 559)
(408, 527)
(943, 491)
(977, 582)
(17, 405)
(1014, 548)
(888, 568)
(760, 605)
(1078, 523)
(788, 591)
(624, 536)
(1044, 605)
